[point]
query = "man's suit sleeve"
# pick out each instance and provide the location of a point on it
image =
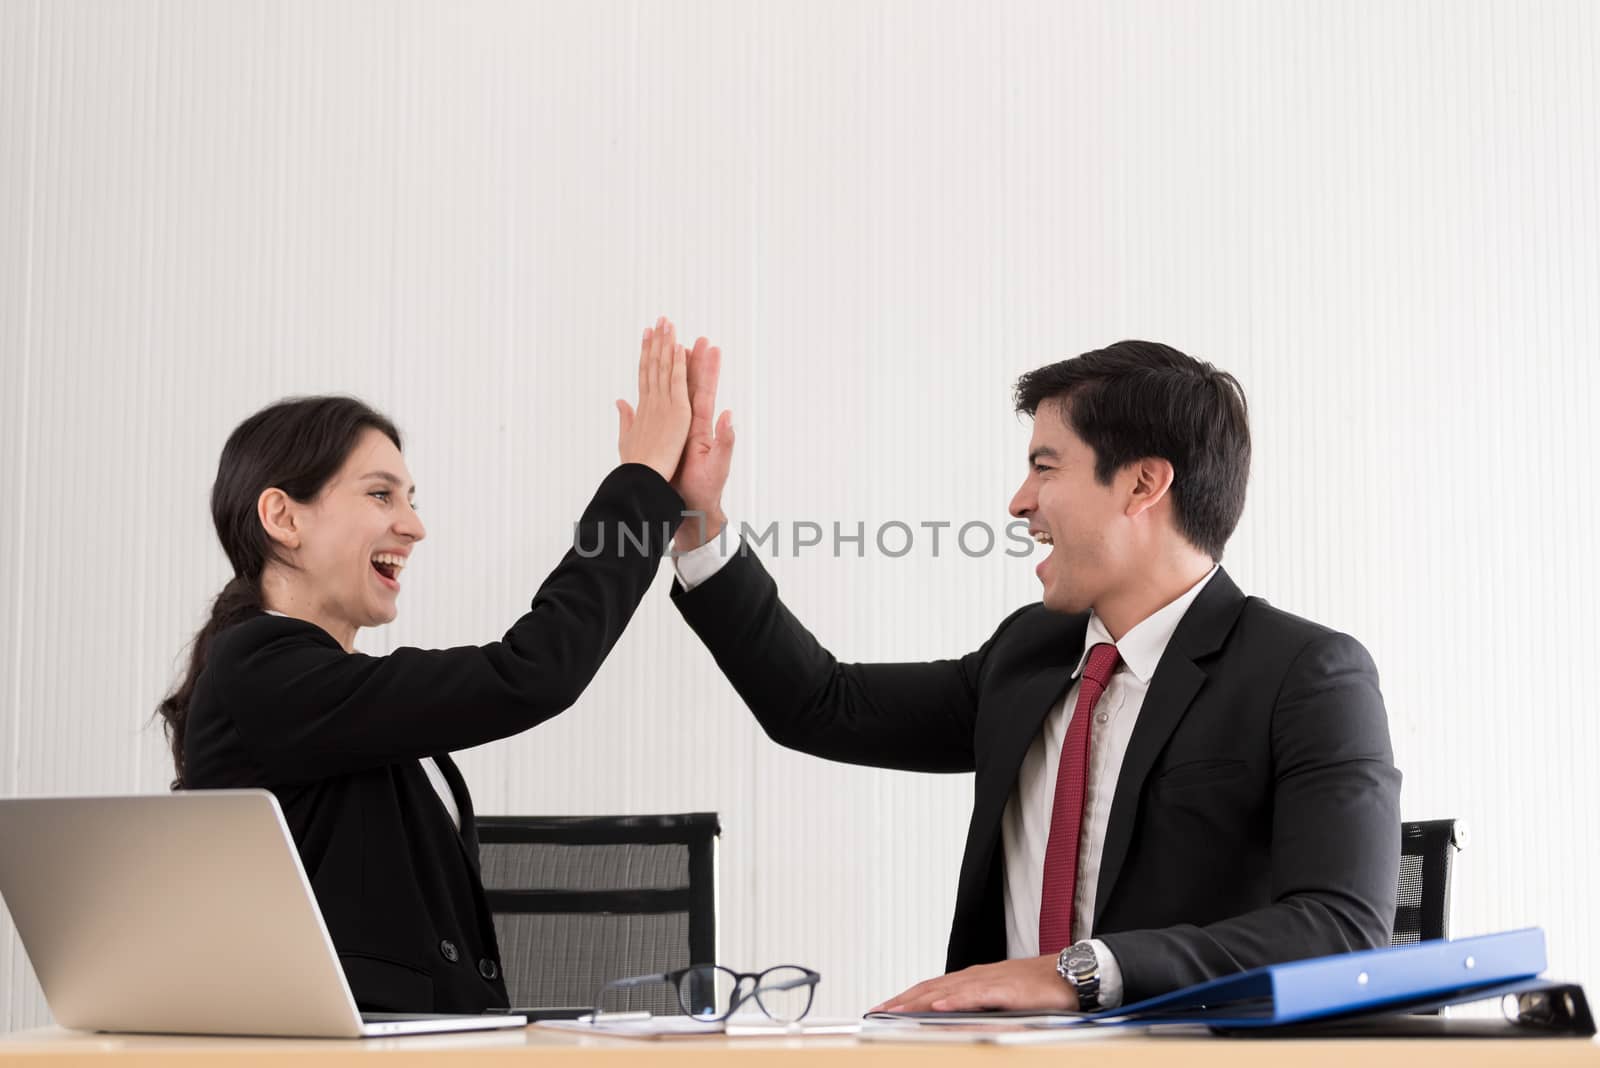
(912, 717)
(1335, 836)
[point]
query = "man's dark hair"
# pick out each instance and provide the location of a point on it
(1137, 399)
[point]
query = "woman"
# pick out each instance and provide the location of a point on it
(312, 504)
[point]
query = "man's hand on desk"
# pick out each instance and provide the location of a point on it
(1030, 983)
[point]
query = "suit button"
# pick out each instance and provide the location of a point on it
(487, 969)
(449, 950)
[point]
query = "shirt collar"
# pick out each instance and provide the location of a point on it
(1141, 648)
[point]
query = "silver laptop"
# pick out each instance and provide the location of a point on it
(181, 914)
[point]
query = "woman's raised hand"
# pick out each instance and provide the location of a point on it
(654, 435)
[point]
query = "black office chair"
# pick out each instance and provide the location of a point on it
(581, 900)
(1427, 848)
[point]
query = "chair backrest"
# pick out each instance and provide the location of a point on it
(1427, 848)
(581, 900)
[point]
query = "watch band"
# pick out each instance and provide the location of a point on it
(1079, 965)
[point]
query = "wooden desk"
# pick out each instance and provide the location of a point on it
(57, 1048)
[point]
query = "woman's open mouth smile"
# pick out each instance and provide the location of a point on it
(387, 566)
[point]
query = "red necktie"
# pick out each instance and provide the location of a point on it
(1059, 894)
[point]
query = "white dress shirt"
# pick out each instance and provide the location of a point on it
(1025, 826)
(430, 768)
(697, 565)
(441, 786)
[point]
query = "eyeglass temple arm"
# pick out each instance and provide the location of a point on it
(630, 981)
(640, 980)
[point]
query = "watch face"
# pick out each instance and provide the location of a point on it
(1082, 962)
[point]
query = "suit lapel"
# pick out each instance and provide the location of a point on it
(1032, 704)
(1026, 705)
(1177, 680)
(458, 789)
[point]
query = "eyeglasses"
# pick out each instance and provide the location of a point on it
(710, 992)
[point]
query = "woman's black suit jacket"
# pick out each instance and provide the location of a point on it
(337, 737)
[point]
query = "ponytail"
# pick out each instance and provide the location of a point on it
(238, 601)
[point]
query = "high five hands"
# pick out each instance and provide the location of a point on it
(674, 431)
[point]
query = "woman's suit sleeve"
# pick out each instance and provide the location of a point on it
(307, 709)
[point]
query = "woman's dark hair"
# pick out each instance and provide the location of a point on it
(296, 445)
(1137, 399)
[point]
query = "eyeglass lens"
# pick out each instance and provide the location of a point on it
(784, 993)
(707, 991)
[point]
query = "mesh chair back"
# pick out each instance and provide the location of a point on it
(580, 900)
(1427, 848)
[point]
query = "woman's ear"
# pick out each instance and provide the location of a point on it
(277, 513)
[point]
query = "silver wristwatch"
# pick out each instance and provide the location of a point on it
(1079, 965)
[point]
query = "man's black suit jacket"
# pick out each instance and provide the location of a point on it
(337, 736)
(1256, 815)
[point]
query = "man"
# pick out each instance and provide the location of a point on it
(1174, 781)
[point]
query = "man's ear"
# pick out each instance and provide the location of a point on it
(1152, 479)
(277, 513)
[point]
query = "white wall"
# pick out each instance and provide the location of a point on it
(1381, 216)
